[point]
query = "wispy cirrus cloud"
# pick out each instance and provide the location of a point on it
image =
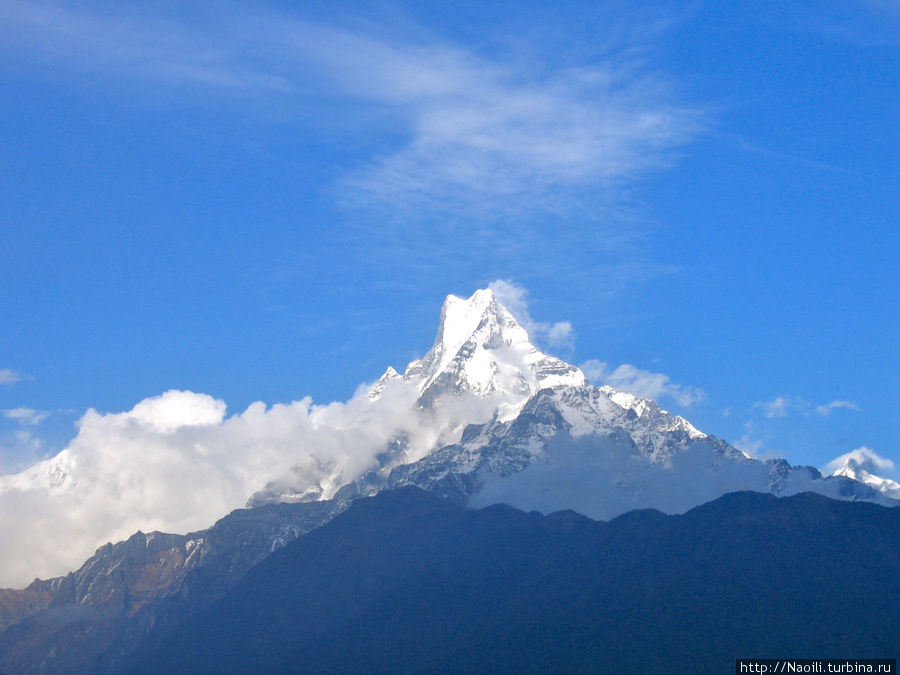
(486, 137)
(785, 405)
(131, 42)
(469, 134)
(25, 416)
(828, 408)
(10, 376)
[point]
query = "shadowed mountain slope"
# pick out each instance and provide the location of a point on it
(407, 582)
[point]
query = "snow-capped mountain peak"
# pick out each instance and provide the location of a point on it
(381, 382)
(480, 318)
(481, 349)
(854, 469)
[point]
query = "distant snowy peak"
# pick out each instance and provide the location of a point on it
(53, 475)
(886, 486)
(481, 349)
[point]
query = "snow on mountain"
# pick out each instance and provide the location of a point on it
(55, 475)
(481, 367)
(481, 350)
(515, 425)
(860, 470)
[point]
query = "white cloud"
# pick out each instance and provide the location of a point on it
(777, 407)
(751, 447)
(172, 463)
(560, 334)
(472, 134)
(177, 463)
(516, 299)
(485, 136)
(784, 405)
(9, 376)
(828, 408)
(178, 409)
(628, 378)
(865, 458)
(26, 416)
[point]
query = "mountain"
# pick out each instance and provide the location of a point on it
(405, 582)
(481, 367)
(490, 418)
(483, 418)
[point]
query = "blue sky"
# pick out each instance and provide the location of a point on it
(266, 202)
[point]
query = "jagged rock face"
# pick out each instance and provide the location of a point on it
(118, 579)
(93, 618)
(18, 605)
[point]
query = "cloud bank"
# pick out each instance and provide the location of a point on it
(176, 462)
(173, 462)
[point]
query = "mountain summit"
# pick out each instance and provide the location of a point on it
(481, 349)
(860, 470)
